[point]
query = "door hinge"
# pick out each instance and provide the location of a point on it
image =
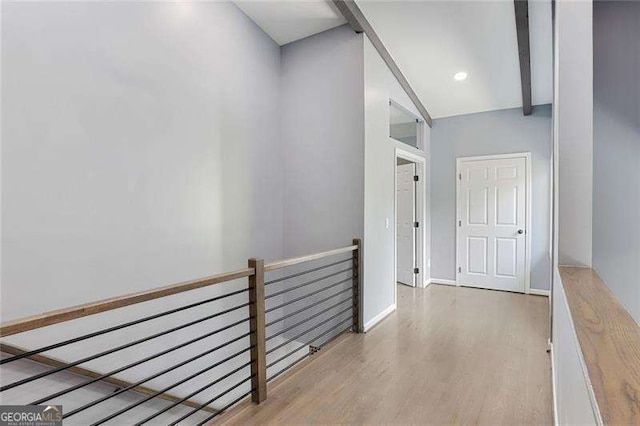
(459, 176)
(459, 223)
(416, 224)
(416, 178)
(459, 269)
(416, 270)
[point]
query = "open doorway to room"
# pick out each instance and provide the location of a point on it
(409, 218)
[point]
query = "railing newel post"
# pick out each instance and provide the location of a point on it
(258, 332)
(357, 287)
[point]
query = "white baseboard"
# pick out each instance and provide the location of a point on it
(382, 315)
(442, 281)
(538, 292)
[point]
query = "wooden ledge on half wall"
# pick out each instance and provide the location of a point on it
(609, 339)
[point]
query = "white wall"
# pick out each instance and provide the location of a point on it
(379, 156)
(573, 121)
(616, 149)
(574, 400)
(496, 132)
(140, 147)
(573, 163)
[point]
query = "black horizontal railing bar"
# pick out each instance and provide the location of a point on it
(285, 369)
(133, 385)
(284, 317)
(302, 334)
(286, 290)
(273, 376)
(218, 380)
(118, 327)
(149, 358)
(118, 348)
(297, 299)
(225, 408)
(308, 271)
(307, 319)
(220, 395)
(186, 379)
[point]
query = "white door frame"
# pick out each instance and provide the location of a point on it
(421, 168)
(527, 235)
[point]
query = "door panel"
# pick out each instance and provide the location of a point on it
(507, 206)
(405, 218)
(491, 211)
(478, 202)
(506, 257)
(477, 259)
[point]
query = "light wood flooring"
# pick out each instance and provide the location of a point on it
(448, 355)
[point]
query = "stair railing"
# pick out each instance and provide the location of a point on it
(278, 323)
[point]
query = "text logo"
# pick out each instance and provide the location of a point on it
(30, 415)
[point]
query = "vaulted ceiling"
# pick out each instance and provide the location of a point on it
(287, 21)
(431, 41)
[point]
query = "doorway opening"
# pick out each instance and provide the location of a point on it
(493, 224)
(409, 226)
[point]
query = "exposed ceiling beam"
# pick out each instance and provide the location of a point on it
(359, 23)
(524, 52)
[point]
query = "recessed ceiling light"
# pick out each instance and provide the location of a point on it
(459, 76)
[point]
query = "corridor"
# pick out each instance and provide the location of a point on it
(448, 355)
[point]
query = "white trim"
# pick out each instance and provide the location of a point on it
(528, 208)
(553, 385)
(421, 216)
(382, 315)
(574, 266)
(443, 281)
(538, 292)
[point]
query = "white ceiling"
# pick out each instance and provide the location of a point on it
(431, 41)
(287, 21)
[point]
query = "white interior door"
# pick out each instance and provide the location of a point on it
(405, 218)
(491, 223)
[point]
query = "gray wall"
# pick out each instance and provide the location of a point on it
(323, 141)
(323, 146)
(495, 132)
(616, 149)
(136, 154)
(140, 147)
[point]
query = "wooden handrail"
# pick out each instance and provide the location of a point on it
(33, 322)
(61, 315)
(296, 260)
(85, 372)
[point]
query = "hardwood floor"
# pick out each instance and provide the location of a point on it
(449, 355)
